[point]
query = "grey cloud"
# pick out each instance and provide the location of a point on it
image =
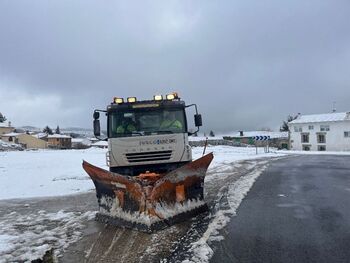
(247, 64)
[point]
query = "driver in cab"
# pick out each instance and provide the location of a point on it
(127, 126)
(170, 122)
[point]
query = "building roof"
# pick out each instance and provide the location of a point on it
(77, 140)
(57, 136)
(5, 124)
(327, 117)
(40, 135)
(11, 134)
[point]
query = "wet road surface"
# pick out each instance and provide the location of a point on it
(297, 211)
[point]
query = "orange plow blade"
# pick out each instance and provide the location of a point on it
(150, 201)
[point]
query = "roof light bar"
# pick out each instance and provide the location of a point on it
(131, 99)
(172, 96)
(158, 97)
(118, 100)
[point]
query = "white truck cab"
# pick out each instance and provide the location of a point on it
(150, 135)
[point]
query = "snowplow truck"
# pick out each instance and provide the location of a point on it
(152, 180)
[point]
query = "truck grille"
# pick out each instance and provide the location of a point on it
(148, 156)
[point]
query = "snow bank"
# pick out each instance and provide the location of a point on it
(228, 154)
(46, 172)
(42, 173)
(27, 237)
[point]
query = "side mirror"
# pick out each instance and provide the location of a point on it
(96, 115)
(198, 120)
(97, 129)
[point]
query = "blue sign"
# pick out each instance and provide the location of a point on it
(262, 138)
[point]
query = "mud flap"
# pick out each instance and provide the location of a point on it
(150, 202)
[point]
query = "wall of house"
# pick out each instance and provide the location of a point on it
(335, 140)
(8, 139)
(4, 130)
(60, 142)
(31, 142)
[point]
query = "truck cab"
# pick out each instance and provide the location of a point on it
(147, 136)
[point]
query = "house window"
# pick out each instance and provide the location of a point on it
(305, 138)
(324, 128)
(58, 139)
(347, 134)
(311, 127)
(321, 138)
(298, 129)
(306, 147)
(322, 148)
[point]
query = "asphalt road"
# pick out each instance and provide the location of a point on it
(297, 211)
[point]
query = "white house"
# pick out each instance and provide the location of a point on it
(320, 132)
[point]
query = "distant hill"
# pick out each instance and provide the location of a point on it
(30, 128)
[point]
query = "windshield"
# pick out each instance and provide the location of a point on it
(139, 122)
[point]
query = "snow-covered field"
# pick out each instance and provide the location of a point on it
(25, 174)
(28, 174)
(43, 173)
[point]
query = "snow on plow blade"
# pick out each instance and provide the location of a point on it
(150, 201)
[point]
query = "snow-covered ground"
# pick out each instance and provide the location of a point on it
(46, 172)
(42, 173)
(6, 146)
(27, 237)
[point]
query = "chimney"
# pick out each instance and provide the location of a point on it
(241, 133)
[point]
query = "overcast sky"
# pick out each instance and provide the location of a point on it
(247, 64)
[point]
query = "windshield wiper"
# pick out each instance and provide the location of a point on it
(138, 133)
(163, 131)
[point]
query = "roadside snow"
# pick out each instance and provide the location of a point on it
(27, 237)
(55, 173)
(43, 173)
(227, 154)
